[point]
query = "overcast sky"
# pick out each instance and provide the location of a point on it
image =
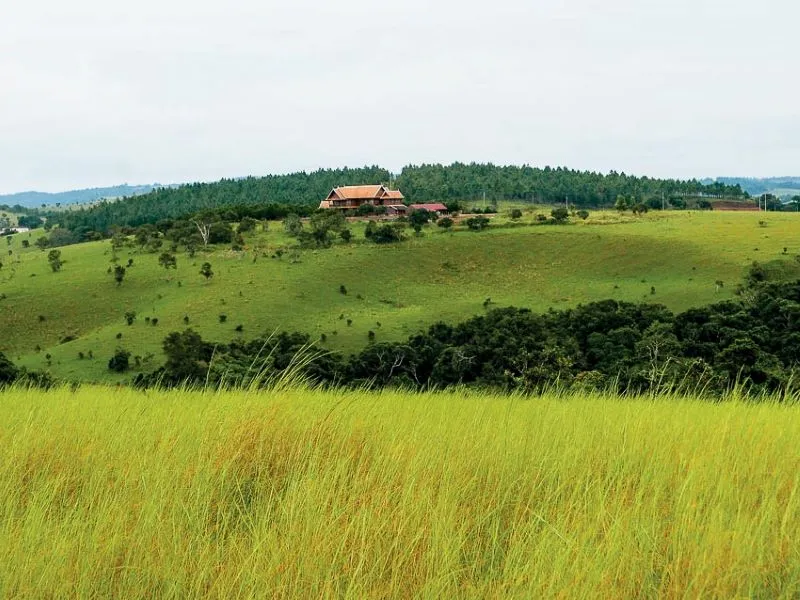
(172, 90)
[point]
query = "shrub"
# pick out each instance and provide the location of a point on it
(247, 224)
(477, 223)
(120, 362)
(387, 234)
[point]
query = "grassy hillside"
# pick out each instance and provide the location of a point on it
(115, 493)
(392, 290)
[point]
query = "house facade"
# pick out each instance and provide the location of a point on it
(350, 197)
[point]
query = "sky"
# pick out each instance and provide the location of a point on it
(96, 93)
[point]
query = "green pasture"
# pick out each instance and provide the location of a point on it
(673, 258)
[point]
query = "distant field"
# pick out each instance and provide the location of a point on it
(296, 494)
(673, 258)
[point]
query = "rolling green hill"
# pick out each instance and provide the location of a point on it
(48, 320)
(457, 182)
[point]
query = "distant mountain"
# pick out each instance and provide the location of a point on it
(36, 199)
(779, 186)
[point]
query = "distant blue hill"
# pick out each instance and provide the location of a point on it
(780, 186)
(36, 199)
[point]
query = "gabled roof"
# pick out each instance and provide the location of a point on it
(394, 195)
(357, 192)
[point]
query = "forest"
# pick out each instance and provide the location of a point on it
(419, 183)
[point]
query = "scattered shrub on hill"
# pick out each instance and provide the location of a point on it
(120, 362)
(323, 227)
(477, 223)
(54, 259)
(247, 224)
(220, 233)
(293, 225)
(205, 271)
(168, 260)
(388, 233)
(418, 219)
(119, 274)
(516, 214)
(560, 214)
(445, 223)
(677, 202)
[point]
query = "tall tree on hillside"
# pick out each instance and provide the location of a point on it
(119, 274)
(54, 258)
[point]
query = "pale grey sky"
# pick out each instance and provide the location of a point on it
(173, 90)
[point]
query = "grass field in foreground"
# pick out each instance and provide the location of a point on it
(394, 290)
(290, 493)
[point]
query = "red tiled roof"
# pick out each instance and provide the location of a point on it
(358, 192)
(429, 207)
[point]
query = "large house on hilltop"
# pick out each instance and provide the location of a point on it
(350, 197)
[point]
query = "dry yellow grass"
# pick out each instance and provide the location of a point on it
(295, 493)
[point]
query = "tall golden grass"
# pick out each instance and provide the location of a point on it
(297, 493)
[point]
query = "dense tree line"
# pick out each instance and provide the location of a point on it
(170, 203)
(754, 340)
(18, 209)
(469, 182)
(420, 183)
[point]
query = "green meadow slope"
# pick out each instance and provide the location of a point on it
(289, 493)
(672, 258)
